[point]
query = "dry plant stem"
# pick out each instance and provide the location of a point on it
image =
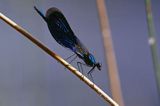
(58, 58)
(110, 53)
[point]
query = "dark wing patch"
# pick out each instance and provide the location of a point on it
(62, 32)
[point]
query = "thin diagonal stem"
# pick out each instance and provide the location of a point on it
(58, 58)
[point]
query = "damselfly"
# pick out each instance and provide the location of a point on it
(64, 35)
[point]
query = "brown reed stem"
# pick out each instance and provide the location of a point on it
(113, 74)
(58, 58)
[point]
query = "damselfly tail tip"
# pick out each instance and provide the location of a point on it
(35, 8)
(40, 13)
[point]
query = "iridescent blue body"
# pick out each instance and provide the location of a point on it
(64, 35)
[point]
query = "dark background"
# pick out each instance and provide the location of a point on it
(29, 77)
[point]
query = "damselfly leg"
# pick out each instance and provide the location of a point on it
(89, 74)
(71, 59)
(80, 68)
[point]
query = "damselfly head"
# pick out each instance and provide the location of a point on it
(98, 65)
